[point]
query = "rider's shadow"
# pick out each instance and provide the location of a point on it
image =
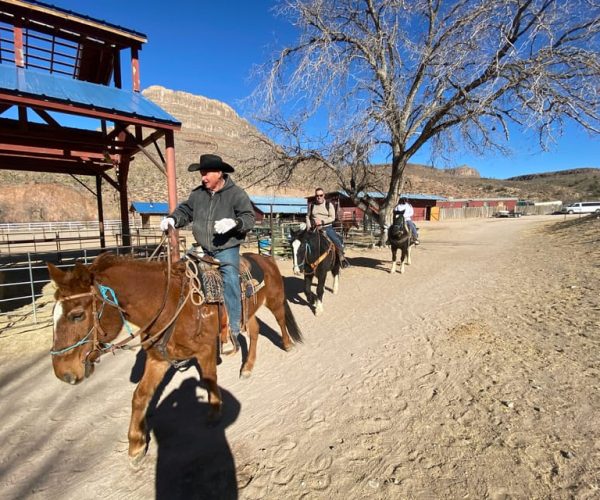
(294, 287)
(193, 458)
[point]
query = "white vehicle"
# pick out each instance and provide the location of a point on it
(584, 207)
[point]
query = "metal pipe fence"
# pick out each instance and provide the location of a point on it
(24, 273)
(24, 276)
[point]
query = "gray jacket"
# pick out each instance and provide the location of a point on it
(203, 208)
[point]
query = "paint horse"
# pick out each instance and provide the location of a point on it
(400, 238)
(315, 255)
(177, 323)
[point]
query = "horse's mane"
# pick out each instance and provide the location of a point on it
(107, 260)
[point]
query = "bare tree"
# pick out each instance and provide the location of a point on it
(394, 76)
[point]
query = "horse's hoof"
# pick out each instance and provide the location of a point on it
(245, 374)
(136, 461)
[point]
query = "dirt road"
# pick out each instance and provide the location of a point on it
(474, 374)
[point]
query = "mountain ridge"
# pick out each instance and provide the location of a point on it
(211, 126)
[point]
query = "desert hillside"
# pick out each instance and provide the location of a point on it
(210, 126)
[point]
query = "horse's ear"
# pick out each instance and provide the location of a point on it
(56, 274)
(82, 273)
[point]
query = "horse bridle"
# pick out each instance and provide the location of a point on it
(321, 257)
(97, 346)
(101, 348)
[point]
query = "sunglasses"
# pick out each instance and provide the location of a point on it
(319, 195)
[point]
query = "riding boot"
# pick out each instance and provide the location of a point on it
(344, 264)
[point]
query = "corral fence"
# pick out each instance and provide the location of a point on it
(26, 248)
(275, 239)
(484, 212)
(35, 237)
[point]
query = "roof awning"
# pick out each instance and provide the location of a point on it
(27, 87)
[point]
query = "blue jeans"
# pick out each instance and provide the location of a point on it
(230, 271)
(333, 236)
(413, 229)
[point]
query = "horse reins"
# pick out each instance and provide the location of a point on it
(322, 257)
(101, 348)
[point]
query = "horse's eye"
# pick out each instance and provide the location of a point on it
(76, 315)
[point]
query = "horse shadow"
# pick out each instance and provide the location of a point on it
(194, 459)
(370, 263)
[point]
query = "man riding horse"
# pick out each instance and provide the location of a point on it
(221, 214)
(321, 216)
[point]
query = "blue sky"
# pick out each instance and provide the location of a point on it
(209, 48)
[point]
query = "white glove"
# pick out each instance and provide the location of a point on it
(224, 225)
(166, 222)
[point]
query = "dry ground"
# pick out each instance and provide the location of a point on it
(473, 375)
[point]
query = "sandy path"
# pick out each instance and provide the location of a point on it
(474, 374)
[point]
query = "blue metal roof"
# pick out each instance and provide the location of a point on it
(410, 196)
(282, 209)
(89, 18)
(25, 82)
(280, 204)
(277, 200)
(150, 207)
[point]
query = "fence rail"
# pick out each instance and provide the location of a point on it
(24, 276)
(20, 227)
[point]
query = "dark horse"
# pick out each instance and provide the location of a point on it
(176, 323)
(400, 238)
(315, 255)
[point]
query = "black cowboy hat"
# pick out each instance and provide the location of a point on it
(211, 162)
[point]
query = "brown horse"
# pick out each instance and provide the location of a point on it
(349, 224)
(93, 301)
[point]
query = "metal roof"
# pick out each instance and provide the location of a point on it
(49, 87)
(43, 8)
(410, 196)
(279, 204)
(282, 209)
(277, 200)
(150, 207)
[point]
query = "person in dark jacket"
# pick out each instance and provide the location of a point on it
(221, 214)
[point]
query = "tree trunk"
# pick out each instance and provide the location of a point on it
(399, 162)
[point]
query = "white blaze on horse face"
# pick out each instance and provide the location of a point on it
(57, 313)
(295, 247)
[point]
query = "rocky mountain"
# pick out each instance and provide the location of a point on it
(210, 126)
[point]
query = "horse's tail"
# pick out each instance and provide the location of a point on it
(290, 323)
